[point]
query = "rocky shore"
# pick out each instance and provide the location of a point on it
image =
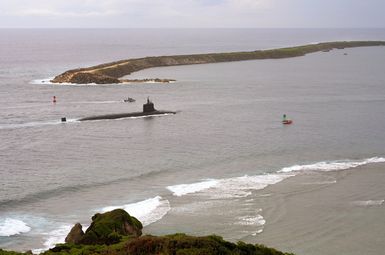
(118, 233)
(110, 73)
(156, 80)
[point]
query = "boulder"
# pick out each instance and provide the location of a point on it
(109, 227)
(75, 235)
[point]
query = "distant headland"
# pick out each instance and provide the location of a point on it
(110, 73)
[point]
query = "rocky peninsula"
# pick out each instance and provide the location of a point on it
(110, 73)
(118, 233)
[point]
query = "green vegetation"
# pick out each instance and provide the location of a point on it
(3, 252)
(107, 228)
(117, 233)
(179, 244)
(111, 72)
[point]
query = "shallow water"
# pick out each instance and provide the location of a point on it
(227, 127)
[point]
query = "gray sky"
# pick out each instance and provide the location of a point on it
(192, 13)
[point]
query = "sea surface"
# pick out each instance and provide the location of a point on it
(193, 172)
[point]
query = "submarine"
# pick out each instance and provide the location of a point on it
(148, 110)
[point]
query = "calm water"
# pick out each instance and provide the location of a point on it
(225, 142)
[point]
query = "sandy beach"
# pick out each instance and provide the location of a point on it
(338, 212)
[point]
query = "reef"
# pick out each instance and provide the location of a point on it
(118, 233)
(111, 73)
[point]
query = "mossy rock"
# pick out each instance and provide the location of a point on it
(107, 228)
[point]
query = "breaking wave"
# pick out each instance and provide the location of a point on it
(11, 227)
(244, 185)
(230, 187)
(147, 211)
(184, 189)
(54, 237)
(369, 202)
(332, 165)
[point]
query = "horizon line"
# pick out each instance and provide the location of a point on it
(204, 28)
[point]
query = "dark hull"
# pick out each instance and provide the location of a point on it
(125, 115)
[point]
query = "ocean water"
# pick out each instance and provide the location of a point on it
(202, 164)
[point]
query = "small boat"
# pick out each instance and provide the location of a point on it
(129, 100)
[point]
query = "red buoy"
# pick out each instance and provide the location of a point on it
(287, 122)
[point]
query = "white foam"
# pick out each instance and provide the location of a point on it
(147, 211)
(148, 82)
(332, 165)
(184, 189)
(42, 81)
(47, 81)
(257, 220)
(242, 186)
(35, 124)
(230, 187)
(369, 202)
(11, 227)
(150, 116)
(124, 118)
(257, 232)
(54, 237)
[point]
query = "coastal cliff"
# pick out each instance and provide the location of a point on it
(118, 233)
(110, 73)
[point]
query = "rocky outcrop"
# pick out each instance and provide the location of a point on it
(85, 77)
(75, 235)
(106, 228)
(111, 72)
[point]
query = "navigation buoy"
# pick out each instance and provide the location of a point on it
(286, 121)
(54, 99)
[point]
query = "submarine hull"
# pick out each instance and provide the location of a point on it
(125, 115)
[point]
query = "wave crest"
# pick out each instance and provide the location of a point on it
(147, 211)
(332, 165)
(230, 187)
(11, 227)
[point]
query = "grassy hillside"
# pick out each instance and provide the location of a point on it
(177, 244)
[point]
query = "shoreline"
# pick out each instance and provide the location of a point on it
(312, 212)
(326, 212)
(110, 73)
